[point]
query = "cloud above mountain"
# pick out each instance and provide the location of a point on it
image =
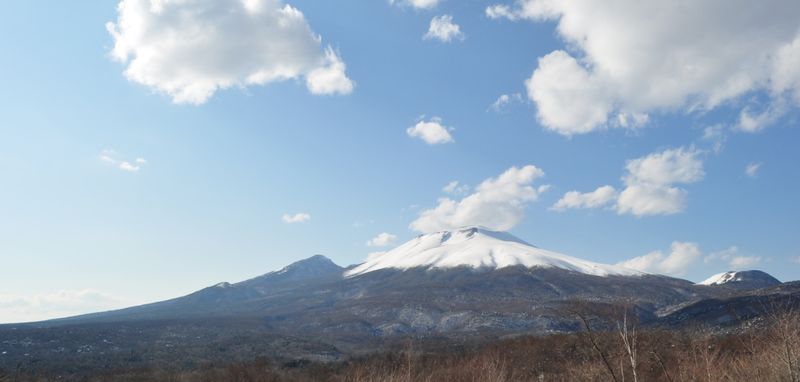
(677, 262)
(626, 59)
(190, 49)
(383, 239)
(650, 185)
(497, 203)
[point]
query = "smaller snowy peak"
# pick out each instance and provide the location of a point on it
(307, 269)
(721, 278)
(755, 279)
(479, 248)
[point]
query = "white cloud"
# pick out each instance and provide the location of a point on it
(734, 260)
(667, 167)
(301, 217)
(497, 203)
(443, 28)
(501, 11)
(331, 78)
(456, 188)
(38, 307)
(189, 49)
(110, 157)
(569, 100)
(598, 198)
(418, 4)
(504, 101)
(682, 256)
(649, 185)
(752, 169)
(383, 239)
(127, 166)
(432, 131)
(642, 200)
(648, 57)
(650, 182)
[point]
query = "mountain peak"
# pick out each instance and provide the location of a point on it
(312, 267)
(468, 232)
(753, 279)
(480, 248)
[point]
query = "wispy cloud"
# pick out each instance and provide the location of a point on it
(751, 169)
(443, 28)
(301, 217)
(733, 258)
(456, 188)
(504, 100)
(110, 157)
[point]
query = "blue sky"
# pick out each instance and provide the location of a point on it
(85, 226)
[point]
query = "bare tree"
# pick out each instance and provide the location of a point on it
(786, 327)
(663, 367)
(628, 336)
(593, 339)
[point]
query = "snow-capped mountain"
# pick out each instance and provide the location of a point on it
(480, 248)
(721, 278)
(468, 282)
(741, 279)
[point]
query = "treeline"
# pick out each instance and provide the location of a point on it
(765, 352)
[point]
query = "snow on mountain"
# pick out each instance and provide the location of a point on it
(719, 279)
(756, 278)
(478, 247)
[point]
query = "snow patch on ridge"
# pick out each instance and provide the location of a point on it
(722, 278)
(478, 247)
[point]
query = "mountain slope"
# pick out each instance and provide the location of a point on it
(225, 299)
(479, 248)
